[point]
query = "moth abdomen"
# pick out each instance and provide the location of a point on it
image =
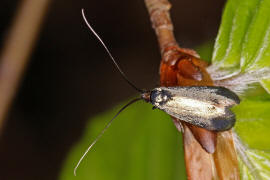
(203, 106)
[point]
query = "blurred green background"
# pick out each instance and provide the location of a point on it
(142, 144)
(70, 81)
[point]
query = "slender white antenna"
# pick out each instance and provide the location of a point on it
(110, 54)
(103, 131)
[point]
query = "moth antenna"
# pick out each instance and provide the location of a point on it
(103, 131)
(109, 53)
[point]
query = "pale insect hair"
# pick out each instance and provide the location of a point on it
(124, 107)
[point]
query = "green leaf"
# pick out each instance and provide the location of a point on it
(241, 62)
(266, 84)
(243, 41)
(253, 122)
(205, 51)
(141, 144)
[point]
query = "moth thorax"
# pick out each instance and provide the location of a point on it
(159, 97)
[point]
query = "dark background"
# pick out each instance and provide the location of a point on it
(70, 77)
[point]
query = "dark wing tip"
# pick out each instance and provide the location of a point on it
(223, 123)
(228, 94)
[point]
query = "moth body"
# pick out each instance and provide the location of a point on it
(203, 106)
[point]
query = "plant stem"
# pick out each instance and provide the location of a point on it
(161, 22)
(17, 49)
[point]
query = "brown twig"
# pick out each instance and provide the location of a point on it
(199, 163)
(17, 48)
(161, 22)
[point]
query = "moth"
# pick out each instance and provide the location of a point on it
(207, 107)
(204, 106)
